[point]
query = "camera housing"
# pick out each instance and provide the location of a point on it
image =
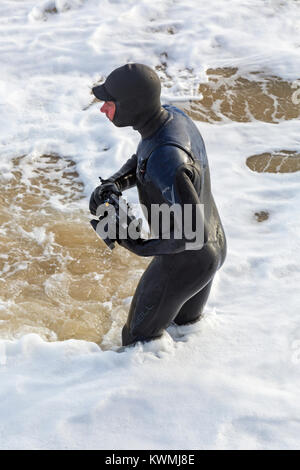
(115, 216)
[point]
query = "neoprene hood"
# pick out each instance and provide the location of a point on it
(135, 89)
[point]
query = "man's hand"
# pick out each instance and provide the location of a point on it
(99, 195)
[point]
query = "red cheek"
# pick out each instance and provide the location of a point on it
(109, 109)
(112, 112)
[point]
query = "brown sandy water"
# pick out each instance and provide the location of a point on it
(261, 216)
(228, 95)
(57, 278)
(283, 161)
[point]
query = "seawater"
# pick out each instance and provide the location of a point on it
(57, 278)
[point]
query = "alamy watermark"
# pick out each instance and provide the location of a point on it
(175, 221)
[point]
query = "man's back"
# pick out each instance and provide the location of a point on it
(172, 166)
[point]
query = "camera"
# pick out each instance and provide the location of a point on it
(115, 220)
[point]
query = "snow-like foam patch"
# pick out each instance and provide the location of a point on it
(49, 7)
(233, 383)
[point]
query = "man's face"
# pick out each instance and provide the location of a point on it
(109, 108)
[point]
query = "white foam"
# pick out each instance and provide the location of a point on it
(234, 381)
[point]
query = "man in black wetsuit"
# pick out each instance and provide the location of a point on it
(170, 167)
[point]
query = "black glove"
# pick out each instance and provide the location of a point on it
(99, 194)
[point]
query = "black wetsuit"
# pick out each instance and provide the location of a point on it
(171, 167)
